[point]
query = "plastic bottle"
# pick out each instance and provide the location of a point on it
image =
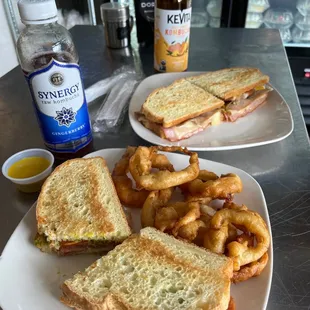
(49, 61)
(172, 29)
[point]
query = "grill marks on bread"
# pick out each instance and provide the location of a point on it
(79, 202)
(230, 83)
(152, 271)
(177, 103)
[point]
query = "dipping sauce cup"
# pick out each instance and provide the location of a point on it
(38, 172)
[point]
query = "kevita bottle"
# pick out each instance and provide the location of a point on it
(172, 29)
(49, 61)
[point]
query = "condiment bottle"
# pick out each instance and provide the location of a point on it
(172, 29)
(49, 61)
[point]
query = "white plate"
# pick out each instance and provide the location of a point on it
(269, 123)
(30, 280)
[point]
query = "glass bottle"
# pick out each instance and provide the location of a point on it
(172, 30)
(49, 61)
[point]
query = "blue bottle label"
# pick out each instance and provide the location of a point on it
(59, 99)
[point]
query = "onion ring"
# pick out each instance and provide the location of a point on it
(252, 221)
(203, 175)
(254, 269)
(220, 188)
(154, 201)
(205, 218)
(122, 166)
(166, 218)
(188, 212)
(215, 239)
(176, 215)
(129, 196)
(190, 231)
(140, 166)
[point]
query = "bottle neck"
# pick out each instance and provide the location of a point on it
(46, 25)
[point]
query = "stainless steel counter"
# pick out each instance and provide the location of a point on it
(282, 169)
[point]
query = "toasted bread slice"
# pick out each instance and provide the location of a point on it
(230, 83)
(78, 203)
(196, 256)
(152, 271)
(177, 103)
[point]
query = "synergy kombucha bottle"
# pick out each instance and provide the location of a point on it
(49, 61)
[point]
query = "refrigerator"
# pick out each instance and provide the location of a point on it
(292, 19)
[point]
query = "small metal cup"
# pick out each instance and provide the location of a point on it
(117, 24)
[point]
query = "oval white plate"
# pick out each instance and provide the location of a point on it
(31, 280)
(269, 123)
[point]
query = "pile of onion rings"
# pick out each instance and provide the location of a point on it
(146, 179)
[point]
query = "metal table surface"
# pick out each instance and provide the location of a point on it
(282, 169)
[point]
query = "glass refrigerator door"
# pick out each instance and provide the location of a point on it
(291, 17)
(206, 13)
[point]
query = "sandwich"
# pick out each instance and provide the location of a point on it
(153, 271)
(180, 110)
(78, 210)
(242, 89)
(190, 105)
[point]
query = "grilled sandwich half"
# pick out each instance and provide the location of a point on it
(152, 271)
(180, 110)
(78, 210)
(243, 89)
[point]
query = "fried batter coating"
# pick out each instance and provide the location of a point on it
(254, 269)
(253, 223)
(128, 195)
(216, 188)
(140, 166)
(154, 201)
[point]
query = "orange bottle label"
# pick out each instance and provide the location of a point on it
(171, 42)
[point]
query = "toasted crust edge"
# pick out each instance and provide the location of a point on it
(160, 120)
(73, 300)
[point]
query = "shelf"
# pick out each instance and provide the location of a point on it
(296, 44)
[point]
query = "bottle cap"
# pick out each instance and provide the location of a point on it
(37, 11)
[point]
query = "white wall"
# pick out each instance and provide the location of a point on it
(8, 59)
